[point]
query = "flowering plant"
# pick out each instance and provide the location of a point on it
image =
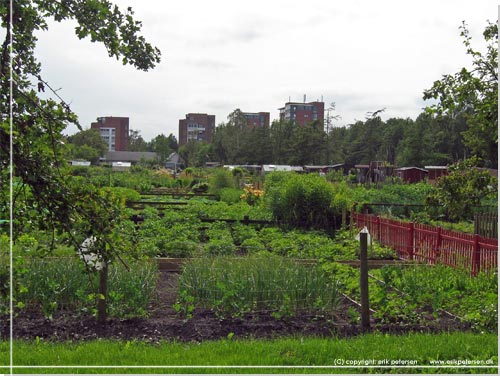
(251, 195)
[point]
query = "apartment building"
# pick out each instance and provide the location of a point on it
(114, 131)
(302, 113)
(257, 119)
(198, 127)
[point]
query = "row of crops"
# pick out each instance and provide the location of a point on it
(236, 269)
(240, 267)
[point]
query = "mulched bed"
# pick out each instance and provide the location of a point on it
(165, 324)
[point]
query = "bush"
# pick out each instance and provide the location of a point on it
(126, 194)
(302, 201)
(230, 195)
(221, 178)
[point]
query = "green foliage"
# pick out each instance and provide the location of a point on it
(462, 189)
(200, 187)
(220, 241)
(174, 235)
(303, 201)
(54, 285)
(440, 287)
(63, 204)
(234, 286)
(88, 145)
(473, 94)
(131, 292)
(221, 178)
(125, 194)
(303, 354)
(230, 195)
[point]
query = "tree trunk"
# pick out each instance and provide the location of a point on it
(102, 302)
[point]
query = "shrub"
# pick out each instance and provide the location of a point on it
(221, 178)
(302, 201)
(126, 194)
(230, 195)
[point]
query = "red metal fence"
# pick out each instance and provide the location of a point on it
(430, 244)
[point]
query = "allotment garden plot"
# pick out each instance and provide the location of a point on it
(245, 278)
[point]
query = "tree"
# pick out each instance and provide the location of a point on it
(162, 146)
(136, 142)
(38, 150)
(308, 143)
(416, 146)
(87, 144)
(462, 189)
(473, 94)
(197, 153)
(392, 134)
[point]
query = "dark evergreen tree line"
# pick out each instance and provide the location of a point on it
(428, 140)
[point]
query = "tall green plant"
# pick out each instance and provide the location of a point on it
(234, 286)
(463, 189)
(303, 201)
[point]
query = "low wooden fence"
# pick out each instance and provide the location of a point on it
(432, 245)
(486, 224)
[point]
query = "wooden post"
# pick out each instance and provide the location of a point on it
(363, 280)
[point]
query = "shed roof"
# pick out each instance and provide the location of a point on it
(269, 168)
(410, 168)
(129, 156)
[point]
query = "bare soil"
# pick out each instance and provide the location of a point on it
(165, 324)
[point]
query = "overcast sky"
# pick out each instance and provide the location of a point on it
(220, 55)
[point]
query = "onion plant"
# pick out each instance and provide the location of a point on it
(234, 286)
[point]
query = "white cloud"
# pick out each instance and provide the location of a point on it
(221, 55)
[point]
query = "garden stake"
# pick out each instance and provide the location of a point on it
(363, 280)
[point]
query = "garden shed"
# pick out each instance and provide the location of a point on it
(411, 174)
(271, 168)
(434, 172)
(80, 163)
(325, 168)
(121, 166)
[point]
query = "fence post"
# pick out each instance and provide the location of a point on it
(363, 280)
(476, 258)
(411, 240)
(379, 232)
(437, 253)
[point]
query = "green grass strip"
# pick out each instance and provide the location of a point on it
(378, 352)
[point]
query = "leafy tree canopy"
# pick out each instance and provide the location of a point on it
(34, 125)
(473, 93)
(463, 189)
(88, 145)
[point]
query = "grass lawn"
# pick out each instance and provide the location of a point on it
(374, 352)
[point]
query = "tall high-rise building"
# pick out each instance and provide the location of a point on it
(198, 127)
(303, 113)
(257, 119)
(114, 131)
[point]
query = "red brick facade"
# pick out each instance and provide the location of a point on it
(114, 131)
(303, 113)
(199, 127)
(257, 119)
